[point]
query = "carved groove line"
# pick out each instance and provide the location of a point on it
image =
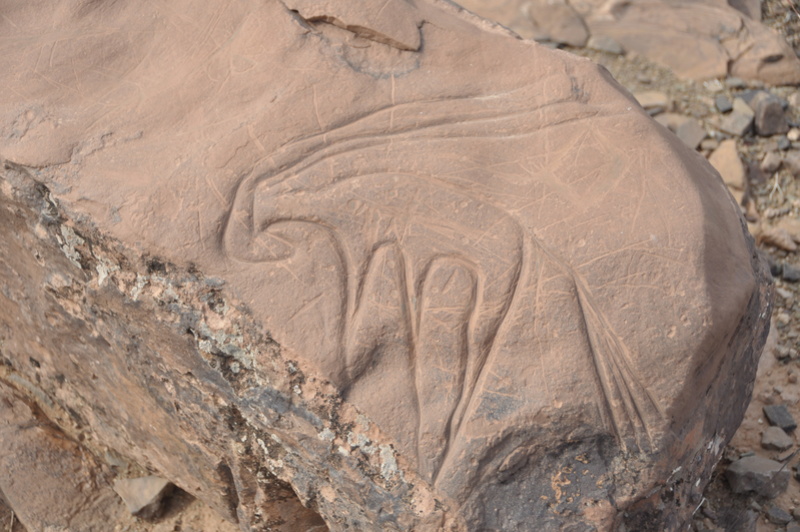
(629, 405)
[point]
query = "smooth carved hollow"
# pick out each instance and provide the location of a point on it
(425, 290)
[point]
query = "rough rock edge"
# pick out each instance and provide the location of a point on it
(673, 505)
(228, 339)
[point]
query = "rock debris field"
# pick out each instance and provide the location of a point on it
(727, 90)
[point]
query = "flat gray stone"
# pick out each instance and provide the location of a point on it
(778, 516)
(769, 114)
(653, 101)
(775, 439)
(604, 43)
(779, 416)
(766, 477)
(736, 124)
(691, 132)
(723, 103)
(727, 162)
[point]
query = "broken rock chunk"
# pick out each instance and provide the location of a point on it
(766, 477)
(144, 495)
(775, 439)
(779, 416)
(727, 162)
(769, 114)
(559, 21)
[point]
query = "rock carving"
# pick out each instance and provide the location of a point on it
(382, 255)
(426, 264)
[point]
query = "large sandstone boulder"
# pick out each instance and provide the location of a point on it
(421, 273)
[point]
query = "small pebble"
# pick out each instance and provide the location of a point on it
(793, 134)
(722, 103)
(604, 43)
(794, 99)
(784, 293)
(771, 162)
(779, 516)
(775, 268)
(779, 416)
(775, 439)
(709, 145)
(790, 274)
(735, 83)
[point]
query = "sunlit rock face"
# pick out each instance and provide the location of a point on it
(420, 272)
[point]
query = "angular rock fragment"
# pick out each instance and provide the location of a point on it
(778, 515)
(727, 162)
(739, 121)
(557, 20)
(671, 121)
(653, 101)
(766, 477)
(144, 495)
(779, 416)
(775, 439)
(769, 115)
(604, 43)
(790, 274)
(722, 103)
(691, 132)
(465, 285)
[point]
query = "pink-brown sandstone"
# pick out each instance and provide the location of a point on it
(423, 273)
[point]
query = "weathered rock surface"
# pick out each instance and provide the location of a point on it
(43, 474)
(421, 273)
(699, 39)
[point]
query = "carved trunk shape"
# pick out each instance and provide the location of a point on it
(430, 275)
